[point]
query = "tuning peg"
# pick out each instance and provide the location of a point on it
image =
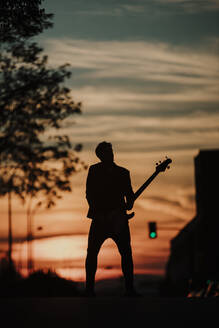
(168, 167)
(166, 157)
(156, 163)
(159, 161)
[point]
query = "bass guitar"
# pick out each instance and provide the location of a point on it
(160, 167)
(116, 218)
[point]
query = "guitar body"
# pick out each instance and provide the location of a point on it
(116, 220)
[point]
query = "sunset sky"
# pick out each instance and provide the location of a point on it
(147, 73)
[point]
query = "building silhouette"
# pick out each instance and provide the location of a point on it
(207, 198)
(194, 251)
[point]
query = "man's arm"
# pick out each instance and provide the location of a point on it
(129, 194)
(90, 186)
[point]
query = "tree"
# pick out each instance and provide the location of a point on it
(22, 19)
(44, 181)
(33, 104)
(19, 20)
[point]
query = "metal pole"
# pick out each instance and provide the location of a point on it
(9, 231)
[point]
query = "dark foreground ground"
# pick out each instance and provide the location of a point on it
(46, 300)
(108, 311)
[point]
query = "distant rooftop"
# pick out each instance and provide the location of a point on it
(208, 151)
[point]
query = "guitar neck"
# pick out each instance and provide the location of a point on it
(145, 185)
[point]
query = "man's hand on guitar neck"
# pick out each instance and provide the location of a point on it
(129, 205)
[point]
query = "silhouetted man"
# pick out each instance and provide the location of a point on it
(109, 194)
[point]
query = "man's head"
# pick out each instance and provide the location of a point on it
(104, 152)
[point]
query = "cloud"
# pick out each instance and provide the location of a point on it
(95, 98)
(138, 74)
(152, 57)
(20, 239)
(172, 208)
(193, 5)
(144, 7)
(135, 134)
(156, 126)
(133, 8)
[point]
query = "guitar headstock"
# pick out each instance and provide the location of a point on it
(162, 166)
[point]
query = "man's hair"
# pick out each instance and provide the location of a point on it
(101, 148)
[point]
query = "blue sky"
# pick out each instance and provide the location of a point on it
(175, 21)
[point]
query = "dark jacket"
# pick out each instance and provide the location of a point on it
(107, 190)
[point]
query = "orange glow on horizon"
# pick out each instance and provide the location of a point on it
(66, 256)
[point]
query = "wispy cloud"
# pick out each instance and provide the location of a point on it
(139, 54)
(145, 7)
(129, 86)
(193, 5)
(151, 73)
(117, 98)
(172, 208)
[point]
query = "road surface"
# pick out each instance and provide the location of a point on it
(107, 311)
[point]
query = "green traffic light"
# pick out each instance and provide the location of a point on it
(153, 234)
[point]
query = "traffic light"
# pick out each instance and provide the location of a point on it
(152, 227)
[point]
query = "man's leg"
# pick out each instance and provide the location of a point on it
(95, 240)
(124, 245)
